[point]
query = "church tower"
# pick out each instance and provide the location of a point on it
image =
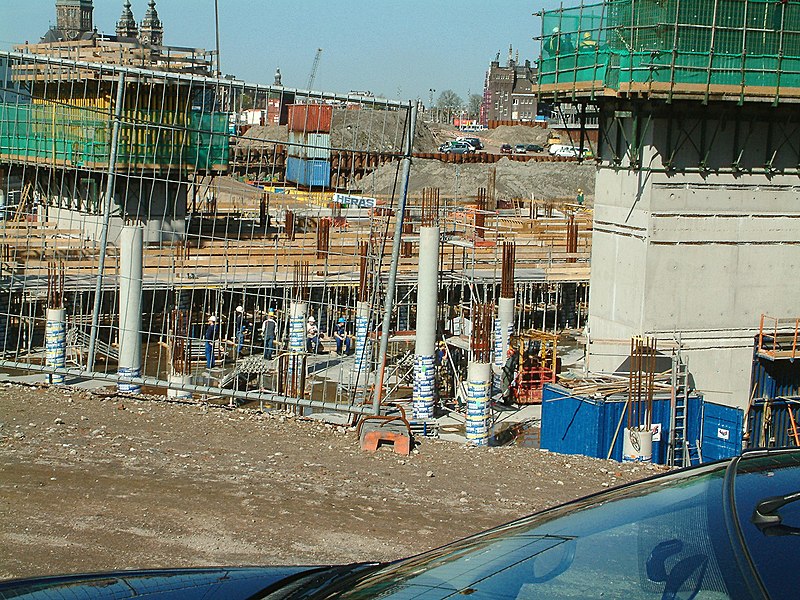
(126, 26)
(151, 30)
(74, 17)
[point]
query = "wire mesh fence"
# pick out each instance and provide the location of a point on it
(172, 212)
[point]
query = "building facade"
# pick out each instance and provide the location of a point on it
(509, 91)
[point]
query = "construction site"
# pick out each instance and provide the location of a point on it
(324, 258)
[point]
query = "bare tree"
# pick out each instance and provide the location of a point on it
(474, 106)
(449, 103)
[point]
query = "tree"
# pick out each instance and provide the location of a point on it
(449, 102)
(474, 106)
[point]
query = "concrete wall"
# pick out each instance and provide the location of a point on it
(159, 205)
(695, 258)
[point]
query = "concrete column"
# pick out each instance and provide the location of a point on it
(56, 341)
(503, 329)
(479, 380)
(177, 380)
(297, 326)
(427, 305)
(363, 350)
(130, 306)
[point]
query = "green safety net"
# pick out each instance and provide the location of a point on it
(81, 137)
(722, 42)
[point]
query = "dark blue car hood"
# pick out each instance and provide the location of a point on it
(175, 584)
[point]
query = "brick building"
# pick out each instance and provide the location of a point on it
(509, 91)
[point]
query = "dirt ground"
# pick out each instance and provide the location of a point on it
(92, 483)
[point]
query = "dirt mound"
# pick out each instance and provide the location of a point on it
(516, 134)
(544, 180)
(367, 130)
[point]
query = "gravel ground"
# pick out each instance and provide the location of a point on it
(93, 483)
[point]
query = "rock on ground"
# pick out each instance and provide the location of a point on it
(92, 483)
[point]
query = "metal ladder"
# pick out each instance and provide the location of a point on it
(677, 456)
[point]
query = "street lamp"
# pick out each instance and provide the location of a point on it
(430, 104)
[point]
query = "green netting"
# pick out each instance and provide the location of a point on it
(742, 42)
(76, 136)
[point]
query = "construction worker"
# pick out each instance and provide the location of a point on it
(587, 44)
(312, 336)
(268, 330)
(341, 337)
(580, 198)
(210, 337)
(559, 43)
(239, 327)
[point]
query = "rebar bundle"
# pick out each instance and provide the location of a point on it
(507, 275)
(572, 237)
(481, 338)
(323, 237)
(430, 207)
(300, 278)
(55, 284)
(480, 215)
(641, 380)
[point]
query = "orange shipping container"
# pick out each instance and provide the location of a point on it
(310, 118)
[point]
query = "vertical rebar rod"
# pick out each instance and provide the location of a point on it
(398, 233)
(101, 263)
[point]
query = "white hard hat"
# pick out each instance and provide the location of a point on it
(240, 308)
(310, 319)
(556, 29)
(212, 318)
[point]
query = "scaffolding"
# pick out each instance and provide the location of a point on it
(708, 49)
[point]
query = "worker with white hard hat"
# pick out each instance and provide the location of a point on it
(210, 337)
(239, 327)
(269, 330)
(312, 336)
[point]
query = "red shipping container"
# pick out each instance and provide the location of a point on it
(310, 118)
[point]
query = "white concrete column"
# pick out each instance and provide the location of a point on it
(479, 381)
(427, 306)
(56, 342)
(362, 346)
(503, 329)
(131, 245)
(297, 326)
(178, 380)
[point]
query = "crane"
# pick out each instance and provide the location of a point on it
(314, 67)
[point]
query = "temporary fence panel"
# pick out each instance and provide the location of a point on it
(89, 149)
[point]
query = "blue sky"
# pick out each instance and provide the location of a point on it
(397, 48)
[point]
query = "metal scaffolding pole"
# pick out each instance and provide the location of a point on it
(112, 165)
(398, 233)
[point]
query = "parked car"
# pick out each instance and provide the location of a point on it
(520, 149)
(506, 149)
(534, 148)
(720, 530)
(472, 141)
(456, 148)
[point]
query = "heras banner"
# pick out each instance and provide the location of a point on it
(356, 201)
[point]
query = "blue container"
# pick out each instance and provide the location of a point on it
(308, 172)
(581, 425)
(722, 431)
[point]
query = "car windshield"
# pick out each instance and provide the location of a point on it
(664, 538)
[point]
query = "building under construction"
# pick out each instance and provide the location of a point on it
(695, 221)
(146, 242)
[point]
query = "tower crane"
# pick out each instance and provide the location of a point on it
(314, 67)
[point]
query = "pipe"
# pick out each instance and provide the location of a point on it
(131, 244)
